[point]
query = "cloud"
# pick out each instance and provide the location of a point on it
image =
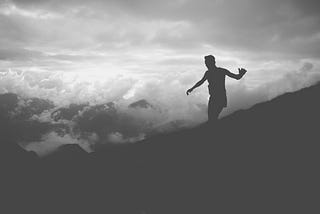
(132, 39)
(117, 137)
(165, 92)
(162, 110)
(64, 89)
(18, 54)
(242, 97)
(295, 80)
(307, 66)
(279, 27)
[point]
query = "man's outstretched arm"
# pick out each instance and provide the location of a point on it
(204, 78)
(242, 72)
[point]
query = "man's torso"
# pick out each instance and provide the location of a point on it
(216, 79)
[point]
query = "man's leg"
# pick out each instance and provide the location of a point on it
(210, 110)
(214, 109)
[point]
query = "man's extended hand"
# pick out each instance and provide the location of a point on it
(189, 91)
(242, 71)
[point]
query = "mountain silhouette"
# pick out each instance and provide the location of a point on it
(261, 160)
(22, 108)
(141, 104)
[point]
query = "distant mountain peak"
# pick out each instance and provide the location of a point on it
(141, 104)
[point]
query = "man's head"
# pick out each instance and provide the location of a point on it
(210, 61)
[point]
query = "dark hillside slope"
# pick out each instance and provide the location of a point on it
(261, 160)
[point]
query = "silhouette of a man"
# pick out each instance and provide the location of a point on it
(217, 89)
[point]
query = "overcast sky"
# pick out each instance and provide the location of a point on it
(100, 51)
